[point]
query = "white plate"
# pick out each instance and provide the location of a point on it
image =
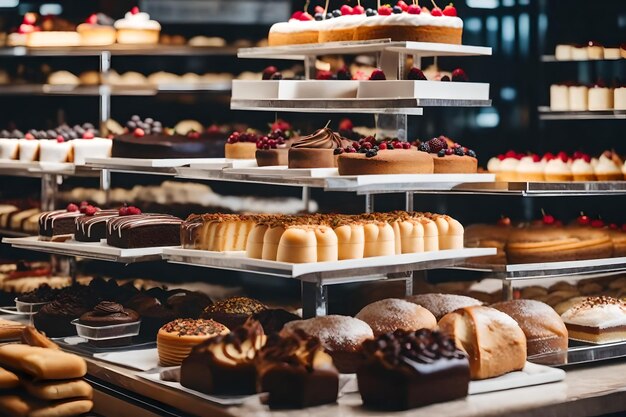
(142, 360)
(222, 163)
(284, 171)
(532, 374)
(146, 163)
(154, 376)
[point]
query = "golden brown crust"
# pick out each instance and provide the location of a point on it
(385, 162)
(410, 33)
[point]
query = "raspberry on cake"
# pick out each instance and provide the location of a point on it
(241, 145)
(449, 157)
(137, 28)
(60, 223)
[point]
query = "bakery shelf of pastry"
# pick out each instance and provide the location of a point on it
(115, 90)
(97, 251)
(423, 49)
(118, 49)
(552, 58)
(546, 189)
(512, 272)
(39, 169)
(546, 114)
(350, 270)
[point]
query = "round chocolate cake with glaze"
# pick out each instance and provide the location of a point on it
(108, 313)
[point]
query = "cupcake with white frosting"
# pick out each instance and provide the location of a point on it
(582, 170)
(609, 167)
(508, 166)
(530, 168)
(137, 28)
(558, 169)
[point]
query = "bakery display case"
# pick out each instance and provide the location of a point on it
(178, 299)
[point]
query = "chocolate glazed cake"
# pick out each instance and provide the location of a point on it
(93, 228)
(405, 370)
(58, 222)
(143, 230)
(225, 364)
(297, 372)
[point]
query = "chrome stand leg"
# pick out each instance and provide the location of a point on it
(410, 201)
(369, 203)
(49, 190)
(408, 285)
(507, 290)
(105, 185)
(314, 299)
(105, 91)
(306, 199)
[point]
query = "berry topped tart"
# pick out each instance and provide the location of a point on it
(268, 150)
(449, 157)
(148, 139)
(97, 30)
(390, 156)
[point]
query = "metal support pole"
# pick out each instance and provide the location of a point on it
(49, 189)
(369, 203)
(408, 285)
(306, 199)
(105, 185)
(314, 299)
(410, 201)
(105, 90)
(73, 269)
(507, 290)
(309, 67)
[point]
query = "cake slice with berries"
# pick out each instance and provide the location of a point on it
(92, 226)
(371, 157)
(241, 145)
(273, 149)
(301, 28)
(404, 22)
(59, 224)
(450, 157)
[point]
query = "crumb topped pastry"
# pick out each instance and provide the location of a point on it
(176, 339)
(597, 320)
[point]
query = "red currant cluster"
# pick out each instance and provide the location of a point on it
(129, 211)
(242, 137)
(84, 207)
(274, 140)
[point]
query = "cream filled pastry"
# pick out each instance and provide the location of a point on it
(530, 168)
(558, 169)
(609, 167)
(582, 170)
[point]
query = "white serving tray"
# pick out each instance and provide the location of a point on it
(146, 163)
(141, 359)
(367, 266)
(294, 89)
(284, 172)
(251, 90)
(95, 250)
(532, 374)
(218, 164)
(423, 90)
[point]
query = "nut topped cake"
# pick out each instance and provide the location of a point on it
(407, 369)
(233, 312)
(597, 320)
(176, 339)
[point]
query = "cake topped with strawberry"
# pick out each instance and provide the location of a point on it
(450, 157)
(398, 22)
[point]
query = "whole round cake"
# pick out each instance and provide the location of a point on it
(450, 157)
(368, 157)
(176, 339)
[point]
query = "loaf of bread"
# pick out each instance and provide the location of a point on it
(58, 390)
(8, 379)
(41, 363)
(493, 341)
(544, 329)
(391, 314)
(442, 304)
(21, 406)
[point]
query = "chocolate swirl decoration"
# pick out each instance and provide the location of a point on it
(240, 346)
(105, 308)
(321, 139)
(298, 349)
(403, 348)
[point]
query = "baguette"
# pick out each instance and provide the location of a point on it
(42, 363)
(493, 341)
(58, 390)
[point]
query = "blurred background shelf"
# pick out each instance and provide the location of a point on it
(546, 114)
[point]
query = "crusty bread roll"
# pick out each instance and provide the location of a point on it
(58, 390)
(493, 341)
(271, 239)
(254, 245)
(442, 304)
(391, 314)
(32, 337)
(8, 379)
(10, 330)
(22, 406)
(42, 363)
(297, 245)
(544, 329)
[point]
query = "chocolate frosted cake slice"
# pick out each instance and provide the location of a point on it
(92, 228)
(405, 370)
(59, 222)
(297, 372)
(225, 364)
(143, 231)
